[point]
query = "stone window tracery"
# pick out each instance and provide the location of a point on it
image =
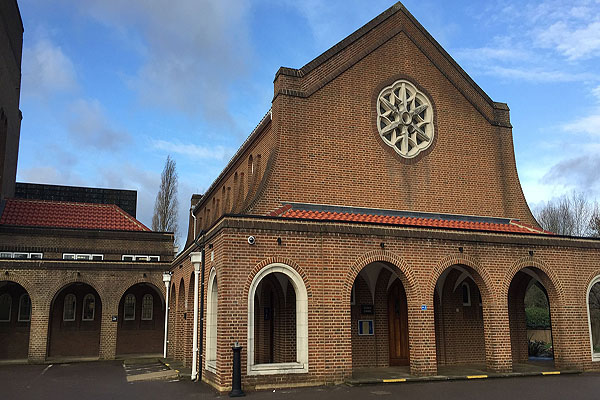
(405, 118)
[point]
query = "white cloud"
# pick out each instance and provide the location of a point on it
(47, 70)
(194, 50)
(50, 175)
(573, 42)
(88, 125)
(193, 150)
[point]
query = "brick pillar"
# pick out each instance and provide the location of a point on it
(108, 331)
(498, 356)
(38, 331)
(421, 333)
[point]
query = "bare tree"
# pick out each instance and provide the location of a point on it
(166, 205)
(571, 215)
(595, 221)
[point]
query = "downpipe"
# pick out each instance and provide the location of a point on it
(197, 339)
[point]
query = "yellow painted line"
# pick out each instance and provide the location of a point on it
(166, 364)
(394, 380)
(177, 370)
(551, 373)
(476, 376)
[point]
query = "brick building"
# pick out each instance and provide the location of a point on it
(11, 48)
(79, 280)
(375, 218)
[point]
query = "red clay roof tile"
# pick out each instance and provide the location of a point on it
(513, 226)
(58, 214)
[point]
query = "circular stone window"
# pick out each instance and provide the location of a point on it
(405, 118)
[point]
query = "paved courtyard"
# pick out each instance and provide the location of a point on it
(108, 380)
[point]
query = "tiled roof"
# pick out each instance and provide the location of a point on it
(58, 214)
(392, 217)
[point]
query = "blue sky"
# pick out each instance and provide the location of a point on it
(111, 87)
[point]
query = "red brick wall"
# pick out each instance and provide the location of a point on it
(329, 255)
(141, 336)
(459, 328)
(75, 338)
(14, 335)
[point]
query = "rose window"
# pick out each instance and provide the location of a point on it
(405, 118)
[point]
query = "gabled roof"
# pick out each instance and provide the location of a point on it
(58, 214)
(404, 218)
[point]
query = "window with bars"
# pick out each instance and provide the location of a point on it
(70, 305)
(89, 307)
(5, 307)
(24, 308)
(129, 307)
(147, 307)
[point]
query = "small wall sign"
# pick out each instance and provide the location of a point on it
(424, 307)
(114, 318)
(367, 309)
(365, 327)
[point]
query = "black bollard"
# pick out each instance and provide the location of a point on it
(236, 378)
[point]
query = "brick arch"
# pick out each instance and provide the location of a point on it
(278, 260)
(407, 276)
(56, 288)
(24, 282)
(485, 286)
(556, 290)
(158, 284)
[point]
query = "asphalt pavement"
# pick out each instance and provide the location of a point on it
(108, 380)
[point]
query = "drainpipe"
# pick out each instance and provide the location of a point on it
(193, 216)
(167, 281)
(198, 260)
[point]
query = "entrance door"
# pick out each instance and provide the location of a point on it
(398, 324)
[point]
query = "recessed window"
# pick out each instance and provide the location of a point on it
(128, 258)
(24, 308)
(466, 294)
(69, 307)
(154, 258)
(5, 307)
(83, 257)
(89, 307)
(147, 307)
(129, 307)
(593, 297)
(20, 255)
(141, 258)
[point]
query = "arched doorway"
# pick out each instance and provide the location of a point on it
(379, 318)
(211, 322)
(181, 317)
(75, 319)
(15, 321)
(141, 320)
(529, 319)
(172, 344)
(458, 316)
(277, 322)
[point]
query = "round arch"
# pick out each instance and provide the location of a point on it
(407, 275)
(485, 284)
(595, 279)
(550, 280)
(211, 321)
(301, 364)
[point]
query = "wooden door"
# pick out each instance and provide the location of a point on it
(398, 324)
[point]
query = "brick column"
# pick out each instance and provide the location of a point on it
(108, 331)
(498, 356)
(421, 332)
(38, 331)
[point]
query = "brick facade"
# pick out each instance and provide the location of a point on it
(48, 280)
(319, 144)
